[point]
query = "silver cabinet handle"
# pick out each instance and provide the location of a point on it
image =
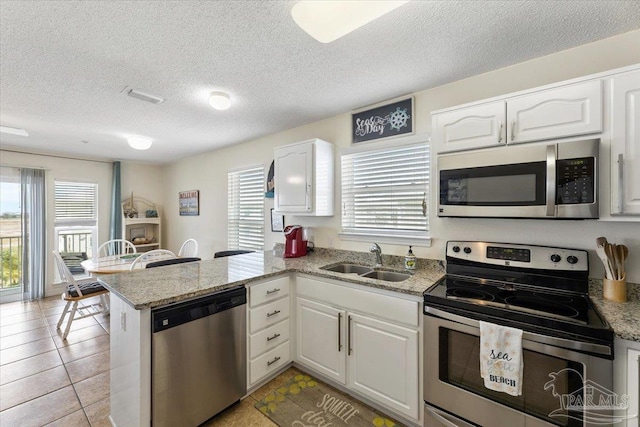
(551, 180)
(620, 183)
(273, 361)
(349, 336)
(513, 130)
(339, 332)
(273, 313)
(500, 133)
(273, 337)
(273, 291)
(308, 197)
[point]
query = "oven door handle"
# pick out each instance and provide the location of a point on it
(528, 336)
(551, 179)
(446, 419)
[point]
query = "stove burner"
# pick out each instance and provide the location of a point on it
(469, 294)
(542, 305)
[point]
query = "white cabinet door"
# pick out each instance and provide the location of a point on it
(321, 338)
(293, 178)
(472, 127)
(625, 144)
(555, 113)
(633, 387)
(383, 363)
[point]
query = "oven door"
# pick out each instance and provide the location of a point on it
(553, 377)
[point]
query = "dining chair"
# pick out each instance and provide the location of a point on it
(231, 253)
(116, 247)
(189, 248)
(172, 261)
(152, 256)
(76, 291)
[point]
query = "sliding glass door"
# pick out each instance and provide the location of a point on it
(10, 235)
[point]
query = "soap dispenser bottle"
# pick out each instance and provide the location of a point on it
(410, 260)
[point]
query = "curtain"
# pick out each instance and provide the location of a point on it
(115, 225)
(33, 233)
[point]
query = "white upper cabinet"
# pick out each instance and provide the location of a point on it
(472, 127)
(304, 178)
(625, 144)
(564, 111)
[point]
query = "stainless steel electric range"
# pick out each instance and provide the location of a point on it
(567, 345)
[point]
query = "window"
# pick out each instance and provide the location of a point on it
(76, 222)
(246, 209)
(385, 192)
(10, 234)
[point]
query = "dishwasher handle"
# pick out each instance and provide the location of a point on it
(180, 313)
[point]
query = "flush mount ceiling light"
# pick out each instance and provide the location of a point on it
(327, 21)
(14, 131)
(220, 100)
(139, 142)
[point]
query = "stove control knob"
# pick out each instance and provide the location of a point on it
(467, 250)
(572, 259)
(456, 249)
(556, 258)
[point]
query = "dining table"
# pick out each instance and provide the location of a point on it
(111, 264)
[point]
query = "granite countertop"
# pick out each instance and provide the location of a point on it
(624, 317)
(161, 286)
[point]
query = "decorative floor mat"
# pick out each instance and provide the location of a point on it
(304, 401)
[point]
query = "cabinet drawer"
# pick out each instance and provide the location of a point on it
(269, 362)
(269, 338)
(268, 291)
(267, 315)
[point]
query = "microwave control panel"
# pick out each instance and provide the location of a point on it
(575, 181)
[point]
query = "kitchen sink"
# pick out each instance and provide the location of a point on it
(348, 268)
(389, 276)
(368, 272)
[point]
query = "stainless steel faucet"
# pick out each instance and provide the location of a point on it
(375, 248)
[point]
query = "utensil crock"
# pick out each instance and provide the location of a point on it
(615, 290)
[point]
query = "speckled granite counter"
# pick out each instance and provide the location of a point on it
(161, 286)
(624, 317)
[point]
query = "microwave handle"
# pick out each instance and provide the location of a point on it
(551, 180)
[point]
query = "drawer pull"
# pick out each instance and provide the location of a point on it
(273, 313)
(273, 361)
(273, 291)
(273, 337)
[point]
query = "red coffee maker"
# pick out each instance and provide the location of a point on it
(295, 245)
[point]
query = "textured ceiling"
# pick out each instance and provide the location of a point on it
(64, 65)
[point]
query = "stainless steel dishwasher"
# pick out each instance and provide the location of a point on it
(198, 361)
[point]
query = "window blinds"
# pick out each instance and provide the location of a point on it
(246, 209)
(76, 203)
(386, 191)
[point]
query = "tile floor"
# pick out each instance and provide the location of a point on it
(47, 381)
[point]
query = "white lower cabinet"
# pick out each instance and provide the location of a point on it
(338, 338)
(626, 380)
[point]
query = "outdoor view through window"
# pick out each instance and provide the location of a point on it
(10, 233)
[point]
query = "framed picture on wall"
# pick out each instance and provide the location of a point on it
(189, 202)
(277, 221)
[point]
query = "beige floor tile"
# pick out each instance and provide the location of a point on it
(87, 367)
(243, 414)
(18, 307)
(22, 317)
(53, 301)
(93, 389)
(75, 325)
(20, 391)
(106, 327)
(19, 327)
(24, 338)
(53, 311)
(98, 413)
(76, 419)
(84, 348)
(31, 349)
(30, 366)
(77, 336)
(43, 410)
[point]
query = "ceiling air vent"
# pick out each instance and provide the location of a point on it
(143, 96)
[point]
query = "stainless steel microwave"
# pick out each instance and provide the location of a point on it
(543, 180)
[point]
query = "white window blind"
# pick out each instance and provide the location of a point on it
(385, 192)
(246, 209)
(76, 203)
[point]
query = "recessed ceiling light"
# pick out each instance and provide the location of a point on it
(327, 21)
(220, 100)
(14, 131)
(139, 142)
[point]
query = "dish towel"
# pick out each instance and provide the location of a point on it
(501, 364)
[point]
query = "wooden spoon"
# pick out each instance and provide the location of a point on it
(611, 257)
(601, 242)
(623, 253)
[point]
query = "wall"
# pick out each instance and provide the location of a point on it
(207, 172)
